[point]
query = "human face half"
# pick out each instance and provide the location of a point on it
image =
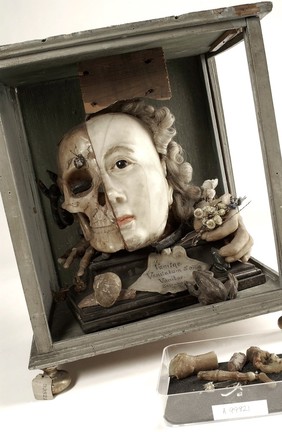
(133, 177)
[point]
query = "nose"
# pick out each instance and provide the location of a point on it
(116, 197)
(101, 195)
(115, 194)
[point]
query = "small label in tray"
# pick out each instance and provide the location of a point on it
(241, 409)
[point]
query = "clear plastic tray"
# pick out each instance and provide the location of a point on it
(223, 403)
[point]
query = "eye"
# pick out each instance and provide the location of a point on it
(80, 182)
(121, 164)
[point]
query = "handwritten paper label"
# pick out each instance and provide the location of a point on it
(240, 409)
(168, 272)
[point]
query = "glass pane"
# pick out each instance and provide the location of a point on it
(245, 150)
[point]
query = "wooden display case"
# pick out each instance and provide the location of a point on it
(41, 99)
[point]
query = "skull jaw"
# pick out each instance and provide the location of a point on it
(111, 239)
(105, 236)
(101, 231)
(107, 240)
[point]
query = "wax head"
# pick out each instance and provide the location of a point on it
(112, 177)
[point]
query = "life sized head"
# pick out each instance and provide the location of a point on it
(122, 173)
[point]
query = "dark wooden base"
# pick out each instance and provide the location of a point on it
(95, 318)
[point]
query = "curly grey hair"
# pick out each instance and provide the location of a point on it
(160, 122)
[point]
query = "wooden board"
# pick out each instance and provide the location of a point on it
(106, 80)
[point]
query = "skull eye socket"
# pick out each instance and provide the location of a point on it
(80, 182)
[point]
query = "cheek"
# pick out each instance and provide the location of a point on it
(153, 194)
(135, 185)
(139, 191)
(158, 188)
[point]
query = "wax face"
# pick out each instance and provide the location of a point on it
(112, 177)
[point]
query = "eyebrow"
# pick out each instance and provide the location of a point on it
(118, 148)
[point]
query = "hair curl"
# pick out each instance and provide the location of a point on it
(160, 122)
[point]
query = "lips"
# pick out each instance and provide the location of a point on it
(124, 220)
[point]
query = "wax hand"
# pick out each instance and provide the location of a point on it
(240, 241)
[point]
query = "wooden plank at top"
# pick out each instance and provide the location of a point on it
(64, 45)
(106, 80)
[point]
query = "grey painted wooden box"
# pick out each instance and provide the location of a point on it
(40, 100)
